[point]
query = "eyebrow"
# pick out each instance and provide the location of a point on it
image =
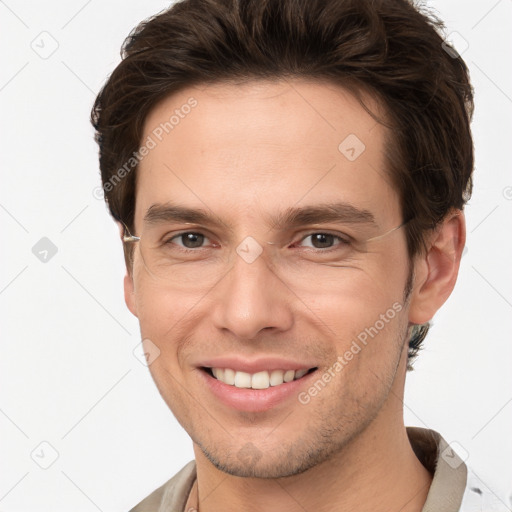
(321, 214)
(168, 212)
(289, 218)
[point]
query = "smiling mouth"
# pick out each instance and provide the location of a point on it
(259, 380)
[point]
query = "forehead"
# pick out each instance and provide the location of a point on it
(261, 147)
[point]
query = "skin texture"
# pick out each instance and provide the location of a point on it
(243, 153)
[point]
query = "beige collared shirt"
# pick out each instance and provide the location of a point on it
(451, 490)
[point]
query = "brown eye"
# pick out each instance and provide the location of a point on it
(189, 240)
(322, 241)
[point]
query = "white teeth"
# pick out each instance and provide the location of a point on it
(289, 375)
(276, 377)
(242, 380)
(229, 376)
(298, 374)
(259, 380)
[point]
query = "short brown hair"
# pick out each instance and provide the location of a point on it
(389, 48)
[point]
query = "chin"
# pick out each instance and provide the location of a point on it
(251, 462)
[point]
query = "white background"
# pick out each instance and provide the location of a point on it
(68, 373)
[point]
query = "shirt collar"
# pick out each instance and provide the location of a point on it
(448, 470)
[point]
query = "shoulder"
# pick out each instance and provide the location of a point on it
(172, 495)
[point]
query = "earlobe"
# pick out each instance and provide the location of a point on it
(436, 271)
(129, 293)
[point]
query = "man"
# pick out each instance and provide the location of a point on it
(289, 178)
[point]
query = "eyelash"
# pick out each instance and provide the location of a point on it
(342, 241)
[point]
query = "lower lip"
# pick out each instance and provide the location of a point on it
(254, 400)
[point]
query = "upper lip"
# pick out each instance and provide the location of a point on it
(255, 365)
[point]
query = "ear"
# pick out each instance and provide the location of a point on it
(129, 293)
(436, 270)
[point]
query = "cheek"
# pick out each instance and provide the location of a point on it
(365, 330)
(369, 346)
(355, 298)
(364, 318)
(160, 312)
(167, 319)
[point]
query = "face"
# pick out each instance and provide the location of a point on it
(261, 214)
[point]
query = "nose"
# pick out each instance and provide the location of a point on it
(251, 298)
